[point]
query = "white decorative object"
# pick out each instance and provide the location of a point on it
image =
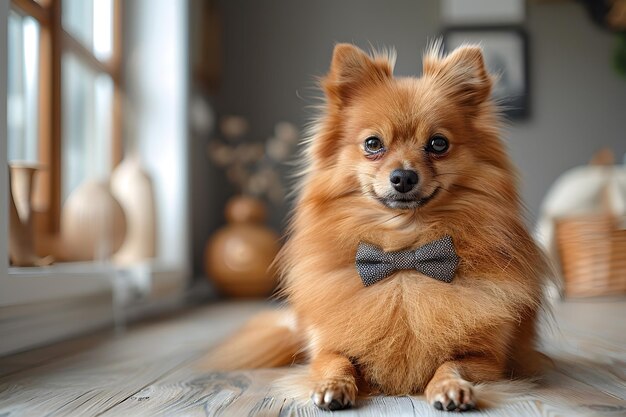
(581, 191)
(132, 187)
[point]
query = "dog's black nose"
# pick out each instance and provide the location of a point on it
(403, 180)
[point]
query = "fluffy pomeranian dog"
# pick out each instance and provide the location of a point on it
(408, 268)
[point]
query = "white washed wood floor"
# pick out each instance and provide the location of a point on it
(148, 371)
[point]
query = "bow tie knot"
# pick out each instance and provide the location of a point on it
(436, 259)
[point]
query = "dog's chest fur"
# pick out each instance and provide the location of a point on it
(400, 330)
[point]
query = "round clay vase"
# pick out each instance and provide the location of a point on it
(238, 257)
(93, 223)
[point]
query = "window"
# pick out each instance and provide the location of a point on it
(23, 88)
(64, 95)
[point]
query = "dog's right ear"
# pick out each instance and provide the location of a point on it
(462, 74)
(351, 70)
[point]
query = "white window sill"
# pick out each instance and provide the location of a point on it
(27, 285)
(46, 304)
(78, 279)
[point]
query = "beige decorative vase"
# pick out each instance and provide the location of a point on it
(238, 256)
(21, 244)
(93, 225)
(132, 187)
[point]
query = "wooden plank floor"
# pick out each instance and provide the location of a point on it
(149, 371)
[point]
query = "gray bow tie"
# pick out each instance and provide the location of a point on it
(436, 259)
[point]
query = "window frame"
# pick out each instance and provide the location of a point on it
(54, 41)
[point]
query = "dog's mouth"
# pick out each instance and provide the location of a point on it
(402, 202)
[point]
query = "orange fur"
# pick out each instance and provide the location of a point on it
(409, 333)
(268, 340)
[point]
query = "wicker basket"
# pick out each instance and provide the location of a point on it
(593, 255)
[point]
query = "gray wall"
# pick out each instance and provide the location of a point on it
(578, 101)
(273, 49)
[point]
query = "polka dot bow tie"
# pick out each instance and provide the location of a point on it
(436, 259)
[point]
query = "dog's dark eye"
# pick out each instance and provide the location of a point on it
(438, 144)
(373, 144)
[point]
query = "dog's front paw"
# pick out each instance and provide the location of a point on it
(334, 394)
(451, 394)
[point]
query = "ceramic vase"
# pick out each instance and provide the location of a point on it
(238, 256)
(132, 187)
(21, 234)
(93, 224)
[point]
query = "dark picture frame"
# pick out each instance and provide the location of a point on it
(506, 55)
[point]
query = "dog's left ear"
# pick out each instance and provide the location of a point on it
(462, 74)
(351, 70)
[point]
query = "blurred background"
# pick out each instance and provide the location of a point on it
(151, 142)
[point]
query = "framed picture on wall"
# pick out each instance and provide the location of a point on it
(506, 55)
